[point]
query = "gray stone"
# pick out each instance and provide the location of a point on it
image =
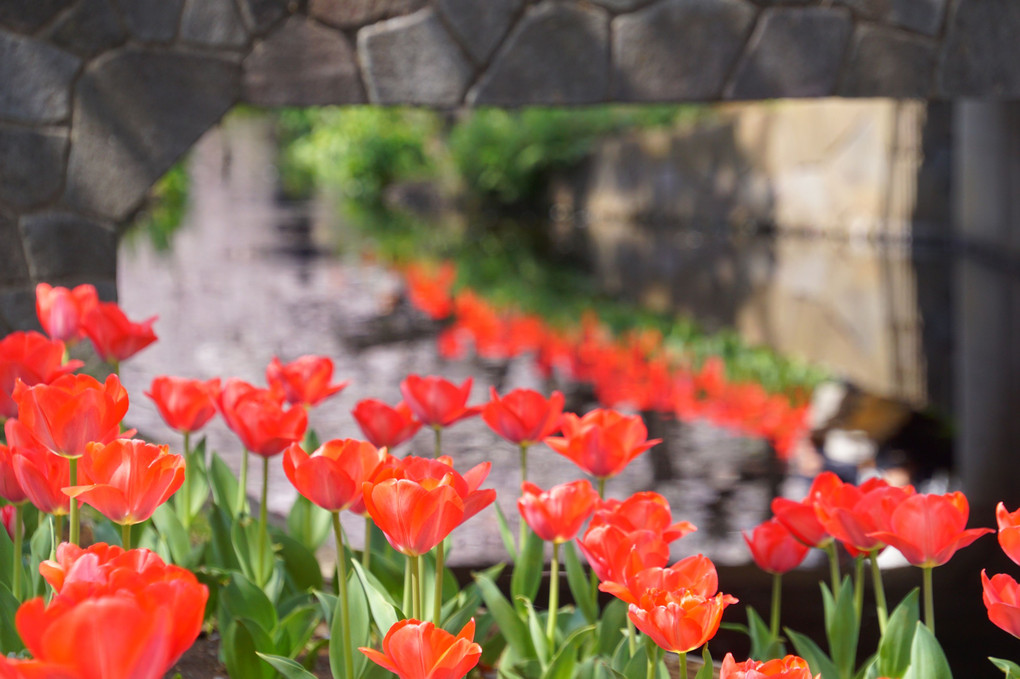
(876, 10)
(922, 16)
(413, 60)
(302, 64)
(90, 28)
(28, 16)
(888, 63)
(678, 49)
(63, 244)
(136, 111)
(793, 53)
(216, 23)
(980, 57)
(262, 14)
(479, 26)
(31, 165)
(13, 266)
(357, 13)
(152, 20)
(36, 80)
(557, 54)
(622, 5)
(17, 309)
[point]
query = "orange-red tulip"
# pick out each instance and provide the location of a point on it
(1001, 595)
(929, 528)
(419, 650)
(437, 402)
(115, 337)
(853, 514)
(385, 426)
(414, 518)
(644, 510)
(332, 477)
(788, 667)
(10, 489)
(556, 515)
(800, 517)
(679, 620)
(72, 411)
(127, 479)
(523, 416)
(774, 548)
(695, 573)
(60, 310)
(32, 358)
(603, 442)
(304, 380)
(41, 474)
(186, 405)
(14, 668)
(259, 418)
(430, 472)
(612, 551)
(1009, 531)
(430, 291)
(8, 514)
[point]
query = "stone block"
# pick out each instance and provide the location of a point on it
(62, 244)
(620, 6)
(260, 15)
(922, 16)
(358, 13)
(136, 112)
(413, 60)
(479, 26)
(29, 16)
(678, 49)
(36, 80)
(793, 53)
(152, 20)
(17, 309)
(31, 165)
(213, 23)
(90, 28)
(13, 265)
(980, 55)
(888, 63)
(302, 64)
(557, 54)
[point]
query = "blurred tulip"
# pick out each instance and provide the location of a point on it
(679, 620)
(14, 668)
(1009, 531)
(259, 418)
(774, 548)
(603, 442)
(430, 291)
(8, 515)
(695, 573)
(383, 425)
(10, 489)
(523, 416)
(436, 401)
(114, 337)
(556, 515)
(332, 477)
(800, 517)
(32, 358)
(304, 380)
(419, 650)
(788, 667)
(929, 528)
(60, 310)
(41, 474)
(186, 405)
(1001, 595)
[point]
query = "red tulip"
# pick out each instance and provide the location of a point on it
(1009, 531)
(10, 489)
(60, 310)
(414, 518)
(696, 574)
(383, 425)
(436, 401)
(603, 442)
(680, 620)
(114, 337)
(774, 548)
(789, 667)
(612, 552)
(33, 359)
(523, 416)
(304, 380)
(186, 405)
(259, 419)
(127, 479)
(72, 411)
(332, 477)
(13, 668)
(646, 510)
(556, 515)
(8, 515)
(430, 472)
(929, 528)
(430, 291)
(41, 474)
(800, 517)
(1002, 599)
(852, 515)
(419, 650)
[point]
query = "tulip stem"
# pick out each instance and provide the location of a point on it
(189, 468)
(876, 580)
(631, 637)
(601, 483)
(524, 461)
(830, 549)
(366, 551)
(58, 534)
(408, 598)
(341, 567)
(554, 597)
(437, 612)
(263, 528)
(683, 665)
(439, 440)
(858, 585)
(16, 582)
(75, 529)
(415, 587)
(242, 486)
(777, 602)
(421, 586)
(125, 535)
(929, 600)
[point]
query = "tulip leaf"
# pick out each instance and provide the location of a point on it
(221, 549)
(579, 583)
(296, 629)
(817, 660)
(10, 642)
(239, 653)
(537, 631)
(308, 523)
(927, 661)
(842, 627)
(358, 632)
(1009, 668)
(172, 531)
(291, 669)
(610, 627)
(328, 604)
(764, 646)
(894, 646)
(41, 546)
(504, 532)
(510, 624)
(527, 572)
(224, 486)
(384, 610)
(244, 599)
(565, 660)
(6, 558)
(300, 563)
(464, 606)
(707, 670)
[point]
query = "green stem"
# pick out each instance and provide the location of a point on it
(125, 535)
(777, 599)
(189, 468)
(858, 585)
(683, 665)
(58, 534)
(876, 580)
(929, 600)
(242, 486)
(18, 536)
(524, 462)
(341, 567)
(408, 598)
(554, 597)
(437, 611)
(439, 440)
(75, 527)
(366, 552)
(830, 549)
(263, 520)
(631, 637)
(421, 586)
(415, 588)
(651, 660)
(601, 482)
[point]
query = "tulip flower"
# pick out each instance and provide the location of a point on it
(413, 649)
(695, 573)
(332, 477)
(788, 667)
(437, 402)
(14, 668)
(305, 380)
(1001, 595)
(612, 551)
(261, 421)
(60, 310)
(10, 489)
(801, 519)
(114, 337)
(774, 548)
(385, 426)
(33, 359)
(7, 518)
(853, 514)
(1009, 531)
(185, 404)
(523, 416)
(41, 475)
(643, 510)
(556, 515)
(414, 518)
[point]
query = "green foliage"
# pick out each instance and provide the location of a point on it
(164, 210)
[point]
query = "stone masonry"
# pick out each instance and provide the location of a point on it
(98, 98)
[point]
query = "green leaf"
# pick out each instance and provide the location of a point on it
(383, 608)
(197, 475)
(40, 547)
(510, 624)
(579, 583)
(246, 600)
(537, 631)
(301, 563)
(359, 631)
(610, 627)
(10, 642)
(842, 627)
(224, 486)
(170, 529)
(221, 547)
(246, 547)
(328, 604)
(707, 670)
(565, 660)
(1009, 668)
(295, 629)
(764, 646)
(239, 653)
(927, 661)
(816, 657)
(895, 644)
(505, 534)
(308, 523)
(290, 669)
(527, 573)
(6, 559)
